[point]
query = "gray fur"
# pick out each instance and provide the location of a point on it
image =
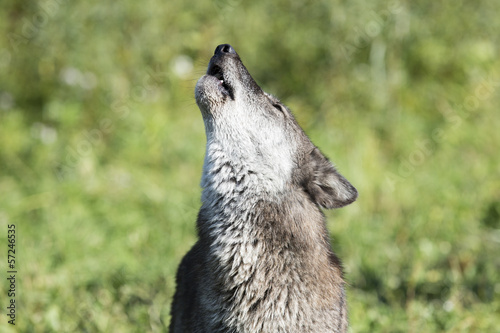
(263, 261)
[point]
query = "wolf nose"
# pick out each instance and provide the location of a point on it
(224, 48)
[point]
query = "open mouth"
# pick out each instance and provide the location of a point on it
(224, 87)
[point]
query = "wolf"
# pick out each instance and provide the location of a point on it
(263, 260)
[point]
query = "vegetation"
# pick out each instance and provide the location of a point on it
(101, 149)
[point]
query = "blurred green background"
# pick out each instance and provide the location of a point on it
(101, 150)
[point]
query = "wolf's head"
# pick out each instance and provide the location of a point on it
(253, 140)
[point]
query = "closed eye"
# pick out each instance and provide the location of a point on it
(280, 108)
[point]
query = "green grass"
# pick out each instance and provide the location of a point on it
(101, 150)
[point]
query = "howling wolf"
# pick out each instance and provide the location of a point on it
(263, 261)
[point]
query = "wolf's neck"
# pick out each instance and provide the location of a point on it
(245, 200)
(235, 188)
(232, 187)
(237, 170)
(241, 197)
(233, 193)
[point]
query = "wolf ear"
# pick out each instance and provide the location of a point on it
(325, 185)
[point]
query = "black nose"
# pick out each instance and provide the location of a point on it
(224, 48)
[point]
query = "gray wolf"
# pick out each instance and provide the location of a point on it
(263, 261)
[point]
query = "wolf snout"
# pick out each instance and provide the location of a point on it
(224, 48)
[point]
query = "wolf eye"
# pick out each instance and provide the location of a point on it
(280, 108)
